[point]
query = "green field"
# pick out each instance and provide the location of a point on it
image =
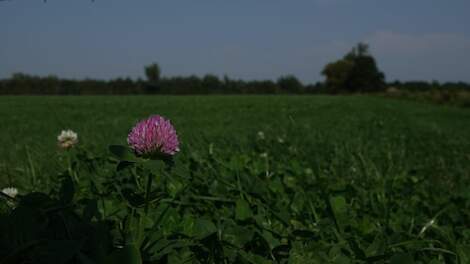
(336, 179)
(415, 134)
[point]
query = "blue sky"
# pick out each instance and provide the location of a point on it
(248, 39)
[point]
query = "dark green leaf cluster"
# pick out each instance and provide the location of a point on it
(264, 205)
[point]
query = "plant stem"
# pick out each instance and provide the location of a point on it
(31, 168)
(148, 189)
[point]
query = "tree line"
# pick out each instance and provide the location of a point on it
(355, 72)
(24, 84)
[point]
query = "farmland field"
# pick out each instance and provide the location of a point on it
(423, 134)
(343, 179)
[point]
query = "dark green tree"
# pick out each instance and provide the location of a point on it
(211, 83)
(337, 74)
(152, 72)
(357, 71)
(289, 84)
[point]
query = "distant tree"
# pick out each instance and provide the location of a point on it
(152, 72)
(290, 84)
(211, 83)
(356, 71)
(337, 74)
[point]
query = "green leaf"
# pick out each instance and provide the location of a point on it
(134, 199)
(163, 247)
(377, 247)
(237, 235)
(339, 207)
(203, 228)
(123, 164)
(155, 166)
(187, 225)
(242, 210)
(270, 239)
(129, 254)
(183, 256)
(402, 258)
(123, 153)
(307, 234)
(342, 259)
(464, 253)
(253, 259)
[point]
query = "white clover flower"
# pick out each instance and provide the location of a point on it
(67, 139)
(280, 140)
(264, 155)
(261, 135)
(10, 191)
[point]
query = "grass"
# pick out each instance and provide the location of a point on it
(455, 97)
(364, 175)
(30, 124)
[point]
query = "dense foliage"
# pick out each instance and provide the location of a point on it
(379, 187)
(242, 208)
(25, 84)
(357, 71)
(450, 96)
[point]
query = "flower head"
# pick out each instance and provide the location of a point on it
(10, 191)
(67, 139)
(260, 135)
(152, 137)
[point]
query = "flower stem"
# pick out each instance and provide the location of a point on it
(141, 227)
(147, 193)
(72, 173)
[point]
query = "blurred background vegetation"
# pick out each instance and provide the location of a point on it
(355, 73)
